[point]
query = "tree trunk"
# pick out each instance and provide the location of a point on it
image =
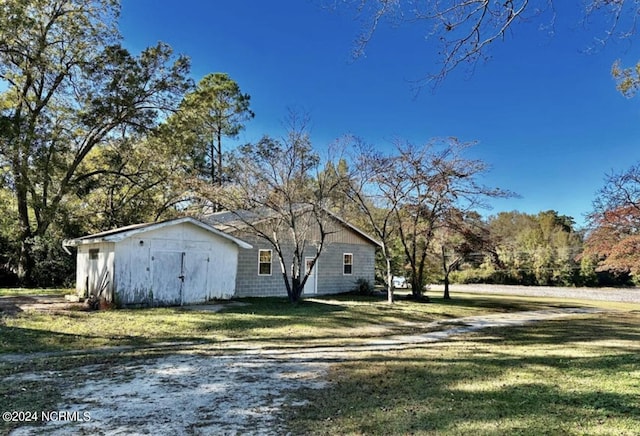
(25, 256)
(296, 290)
(295, 286)
(212, 158)
(389, 281)
(25, 261)
(416, 288)
(446, 295)
(219, 151)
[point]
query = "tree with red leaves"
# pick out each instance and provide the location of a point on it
(614, 239)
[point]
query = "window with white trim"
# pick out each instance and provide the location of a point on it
(264, 262)
(347, 263)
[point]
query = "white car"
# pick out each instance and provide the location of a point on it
(400, 282)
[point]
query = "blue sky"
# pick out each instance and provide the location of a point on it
(546, 115)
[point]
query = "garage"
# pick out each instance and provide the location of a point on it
(169, 263)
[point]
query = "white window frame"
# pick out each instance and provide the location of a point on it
(344, 264)
(260, 251)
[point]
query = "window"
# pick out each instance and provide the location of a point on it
(347, 264)
(93, 253)
(264, 262)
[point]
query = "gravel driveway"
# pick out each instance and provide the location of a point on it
(217, 391)
(628, 295)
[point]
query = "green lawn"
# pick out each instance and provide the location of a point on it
(262, 319)
(16, 292)
(578, 375)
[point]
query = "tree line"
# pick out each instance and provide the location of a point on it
(93, 137)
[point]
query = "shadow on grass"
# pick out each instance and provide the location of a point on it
(26, 340)
(289, 319)
(330, 313)
(281, 306)
(556, 377)
(32, 332)
(497, 305)
(614, 327)
(277, 313)
(261, 319)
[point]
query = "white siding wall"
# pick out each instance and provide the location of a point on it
(132, 271)
(148, 266)
(94, 275)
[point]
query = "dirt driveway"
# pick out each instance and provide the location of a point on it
(14, 304)
(213, 390)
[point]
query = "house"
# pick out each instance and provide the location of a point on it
(180, 261)
(187, 261)
(348, 255)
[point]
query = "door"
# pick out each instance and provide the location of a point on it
(311, 287)
(92, 284)
(168, 277)
(195, 270)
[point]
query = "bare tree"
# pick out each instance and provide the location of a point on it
(371, 199)
(423, 185)
(621, 189)
(465, 29)
(278, 194)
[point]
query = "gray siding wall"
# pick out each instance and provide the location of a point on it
(329, 269)
(248, 282)
(331, 277)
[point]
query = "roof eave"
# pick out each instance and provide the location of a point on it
(116, 237)
(78, 242)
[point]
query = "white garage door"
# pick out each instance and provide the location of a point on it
(196, 267)
(167, 277)
(179, 277)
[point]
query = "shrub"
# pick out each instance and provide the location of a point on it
(363, 287)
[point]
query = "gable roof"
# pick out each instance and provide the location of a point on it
(354, 228)
(121, 233)
(230, 221)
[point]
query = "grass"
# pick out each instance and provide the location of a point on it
(16, 292)
(579, 375)
(263, 319)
